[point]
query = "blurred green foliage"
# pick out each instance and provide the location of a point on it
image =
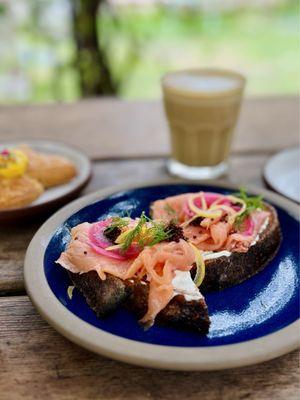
(264, 44)
(143, 43)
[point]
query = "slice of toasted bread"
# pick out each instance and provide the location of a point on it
(224, 272)
(106, 296)
(103, 297)
(179, 313)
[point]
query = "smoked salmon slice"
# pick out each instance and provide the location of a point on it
(210, 234)
(155, 264)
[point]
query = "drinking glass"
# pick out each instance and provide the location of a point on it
(202, 107)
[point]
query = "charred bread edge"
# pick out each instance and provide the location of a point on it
(106, 296)
(224, 272)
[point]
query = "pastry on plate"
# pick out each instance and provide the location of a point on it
(19, 192)
(16, 188)
(49, 169)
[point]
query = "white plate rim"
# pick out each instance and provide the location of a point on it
(82, 180)
(139, 353)
(269, 177)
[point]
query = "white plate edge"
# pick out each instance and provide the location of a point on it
(81, 178)
(184, 358)
(269, 176)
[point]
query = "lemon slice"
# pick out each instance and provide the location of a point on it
(203, 213)
(121, 238)
(200, 273)
(235, 199)
(13, 164)
(232, 214)
(114, 247)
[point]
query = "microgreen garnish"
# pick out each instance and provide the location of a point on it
(145, 233)
(117, 222)
(134, 233)
(252, 203)
(157, 233)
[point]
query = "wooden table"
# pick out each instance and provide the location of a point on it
(127, 142)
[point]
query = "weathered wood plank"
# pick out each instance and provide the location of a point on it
(37, 362)
(109, 127)
(13, 244)
(243, 169)
(15, 239)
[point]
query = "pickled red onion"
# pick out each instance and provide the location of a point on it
(96, 234)
(110, 254)
(99, 242)
(249, 227)
(187, 210)
(210, 199)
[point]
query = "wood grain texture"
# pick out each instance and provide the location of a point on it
(38, 363)
(244, 169)
(13, 244)
(105, 128)
(14, 239)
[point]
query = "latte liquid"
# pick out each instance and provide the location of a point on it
(202, 107)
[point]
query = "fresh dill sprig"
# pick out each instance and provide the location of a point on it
(158, 233)
(252, 203)
(134, 233)
(146, 233)
(117, 222)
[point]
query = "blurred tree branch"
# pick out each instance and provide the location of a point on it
(91, 60)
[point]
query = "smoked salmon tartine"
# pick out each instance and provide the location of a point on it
(158, 268)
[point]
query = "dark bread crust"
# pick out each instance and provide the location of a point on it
(224, 272)
(106, 296)
(179, 313)
(103, 297)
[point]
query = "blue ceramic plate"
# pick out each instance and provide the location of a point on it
(263, 310)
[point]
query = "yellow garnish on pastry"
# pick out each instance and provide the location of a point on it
(13, 163)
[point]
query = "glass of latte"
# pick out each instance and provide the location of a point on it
(202, 107)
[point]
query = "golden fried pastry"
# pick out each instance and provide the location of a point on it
(18, 192)
(50, 170)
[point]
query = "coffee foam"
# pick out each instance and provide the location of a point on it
(201, 83)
